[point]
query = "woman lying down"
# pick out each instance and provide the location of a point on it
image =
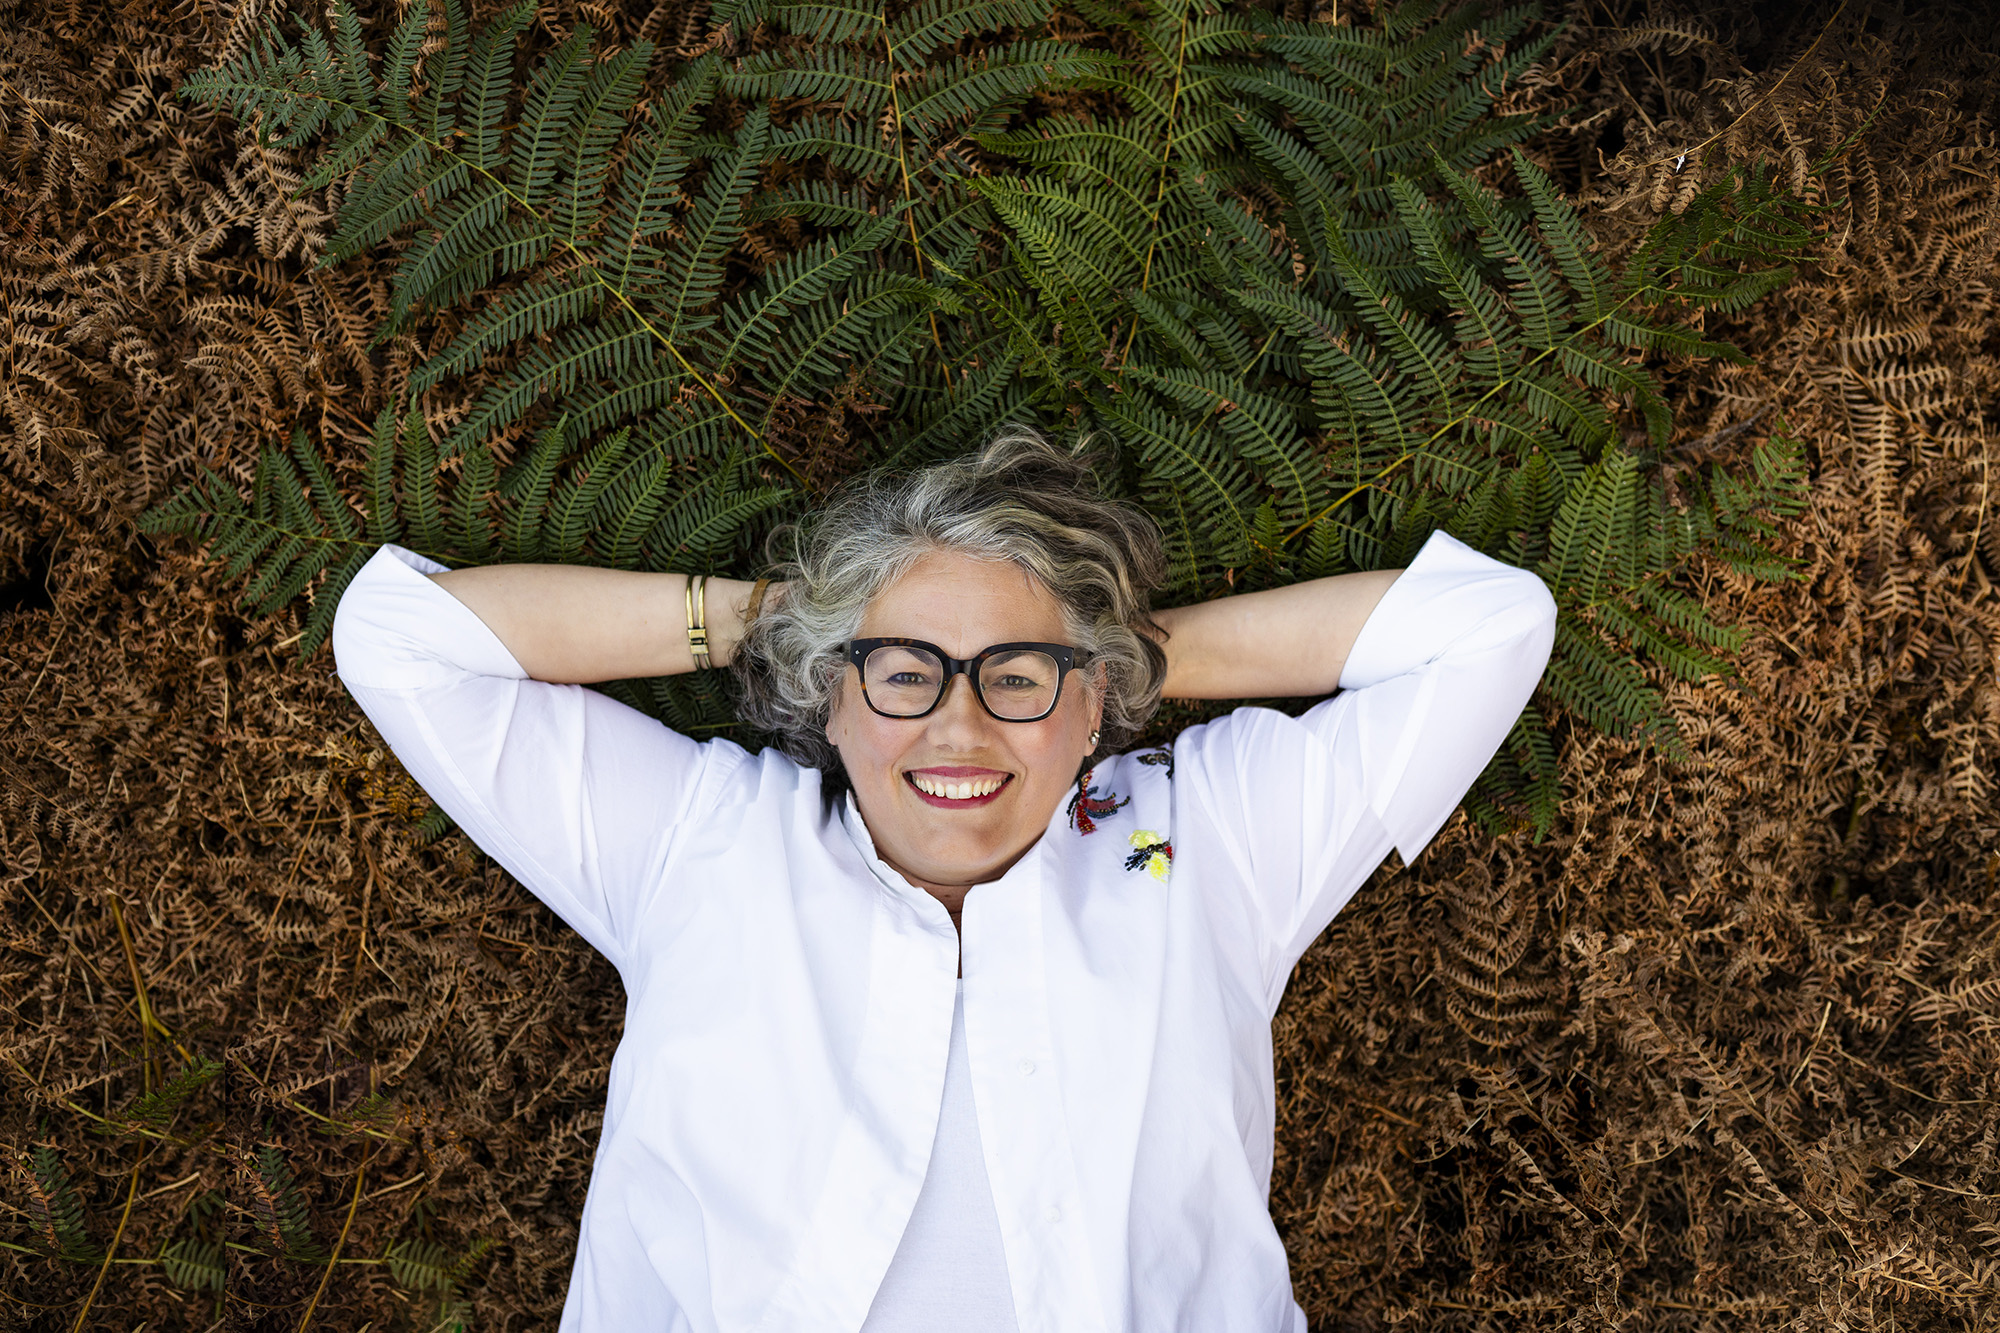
(949, 1011)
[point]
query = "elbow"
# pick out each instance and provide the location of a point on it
(345, 634)
(1518, 611)
(1538, 612)
(1539, 602)
(360, 632)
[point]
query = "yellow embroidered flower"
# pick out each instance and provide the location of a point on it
(1154, 853)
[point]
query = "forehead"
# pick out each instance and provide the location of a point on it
(963, 604)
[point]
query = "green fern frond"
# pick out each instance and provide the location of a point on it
(53, 1209)
(1259, 255)
(280, 1209)
(194, 1265)
(421, 1265)
(156, 1110)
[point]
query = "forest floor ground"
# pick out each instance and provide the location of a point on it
(1722, 1051)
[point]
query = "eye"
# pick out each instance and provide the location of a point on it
(907, 678)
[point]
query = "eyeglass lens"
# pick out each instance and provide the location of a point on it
(904, 681)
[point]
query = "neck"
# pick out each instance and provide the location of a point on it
(951, 895)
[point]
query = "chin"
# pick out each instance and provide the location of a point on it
(959, 858)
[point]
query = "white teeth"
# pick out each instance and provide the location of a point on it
(957, 791)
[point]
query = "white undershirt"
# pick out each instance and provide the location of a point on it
(950, 1270)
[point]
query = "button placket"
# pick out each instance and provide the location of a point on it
(877, 1163)
(1031, 1163)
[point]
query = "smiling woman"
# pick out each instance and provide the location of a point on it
(910, 1043)
(995, 780)
(1089, 566)
(961, 640)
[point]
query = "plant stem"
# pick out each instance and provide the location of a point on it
(1160, 183)
(131, 1193)
(909, 199)
(360, 1174)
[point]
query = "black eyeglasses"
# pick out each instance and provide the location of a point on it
(1015, 682)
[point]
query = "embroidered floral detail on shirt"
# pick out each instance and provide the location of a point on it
(1163, 755)
(1155, 854)
(1087, 806)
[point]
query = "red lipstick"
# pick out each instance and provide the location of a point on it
(957, 774)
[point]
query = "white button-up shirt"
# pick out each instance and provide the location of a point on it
(789, 997)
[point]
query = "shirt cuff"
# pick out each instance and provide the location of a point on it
(1447, 598)
(395, 628)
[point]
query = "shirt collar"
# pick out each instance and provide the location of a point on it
(864, 842)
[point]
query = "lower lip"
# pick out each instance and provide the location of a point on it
(946, 803)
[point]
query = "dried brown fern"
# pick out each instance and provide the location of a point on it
(1490, 927)
(1771, 1100)
(1721, 1054)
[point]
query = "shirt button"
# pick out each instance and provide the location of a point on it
(1027, 1066)
(1054, 1215)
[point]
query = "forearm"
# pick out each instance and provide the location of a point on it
(574, 625)
(1288, 642)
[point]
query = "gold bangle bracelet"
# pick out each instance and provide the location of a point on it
(756, 602)
(697, 608)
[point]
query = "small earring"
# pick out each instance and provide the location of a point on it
(1093, 739)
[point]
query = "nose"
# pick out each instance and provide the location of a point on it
(959, 722)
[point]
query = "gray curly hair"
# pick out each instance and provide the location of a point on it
(1019, 499)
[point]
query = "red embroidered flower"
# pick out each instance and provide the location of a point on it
(1087, 806)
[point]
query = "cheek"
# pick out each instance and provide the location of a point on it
(866, 753)
(1057, 752)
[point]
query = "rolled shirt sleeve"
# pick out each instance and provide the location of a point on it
(1307, 807)
(575, 794)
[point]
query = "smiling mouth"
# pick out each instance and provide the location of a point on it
(957, 793)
